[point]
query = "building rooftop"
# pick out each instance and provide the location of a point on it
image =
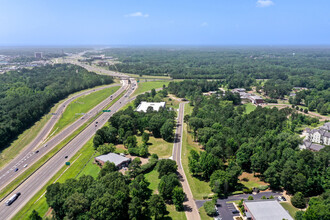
(112, 157)
(143, 107)
(267, 209)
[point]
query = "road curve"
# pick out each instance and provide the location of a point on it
(37, 180)
(190, 207)
(7, 173)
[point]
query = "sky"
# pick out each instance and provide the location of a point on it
(164, 22)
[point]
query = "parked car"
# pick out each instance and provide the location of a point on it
(235, 211)
(283, 198)
(279, 198)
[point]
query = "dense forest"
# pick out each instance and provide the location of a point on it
(303, 67)
(26, 95)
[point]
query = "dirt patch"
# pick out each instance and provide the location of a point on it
(250, 178)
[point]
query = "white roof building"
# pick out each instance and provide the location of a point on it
(265, 209)
(143, 107)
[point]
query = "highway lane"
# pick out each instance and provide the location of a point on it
(29, 155)
(190, 207)
(36, 181)
(8, 171)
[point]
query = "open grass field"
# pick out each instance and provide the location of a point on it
(147, 86)
(82, 105)
(249, 107)
(292, 210)
(198, 188)
(158, 146)
(250, 181)
(147, 76)
(78, 161)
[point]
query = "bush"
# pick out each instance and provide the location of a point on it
(247, 190)
(263, 188)
(298, 200)
(250, 198)
(271, 197)
(264, 197)
(209, 208)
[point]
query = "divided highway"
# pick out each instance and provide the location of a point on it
(7, 173)
(37, 180)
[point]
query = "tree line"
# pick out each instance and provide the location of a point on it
(26, 95)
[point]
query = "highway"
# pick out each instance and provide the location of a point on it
(190, 207)
(28, 155)
(37, 180)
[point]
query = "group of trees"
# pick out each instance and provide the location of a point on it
(125, 125)
(262, 142)
(111, 195)
(313, 99)
(27, 94)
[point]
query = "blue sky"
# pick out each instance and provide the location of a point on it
(164, 22)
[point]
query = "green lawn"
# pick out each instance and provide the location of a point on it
(173, 214)
(249, 107)
(198, 188)
(158, 146)
(152, 178)
(203, 214)
(82, 105)
(147, 86)
(292, 210)
(78, 161)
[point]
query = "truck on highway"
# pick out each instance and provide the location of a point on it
(12, 199)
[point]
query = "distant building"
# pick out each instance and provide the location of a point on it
(38, 55)
(265, 209)
(256, 99)
(118, 160)
(155, 106)
(320, 135)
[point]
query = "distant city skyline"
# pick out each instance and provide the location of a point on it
(149, 22)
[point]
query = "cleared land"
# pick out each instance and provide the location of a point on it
(250, 181)
(147, 86)
(82, 105)
(249, 107)
(292, 210)
(200, 189)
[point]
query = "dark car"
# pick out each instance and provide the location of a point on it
(66, 157)
(16, 169)
(284, 199)
(37, 151)
(235, 211)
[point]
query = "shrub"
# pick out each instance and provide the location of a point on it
(209, 208)
(247, 191)
(263, 188)
(264, 197)
(298, 200)
(250, 198)
(271, 197)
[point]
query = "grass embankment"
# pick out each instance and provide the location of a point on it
(147, 86)
(152, 178)
(292, 210)
(78, 161)
(203, 214)
(82, 105)
(198, 188)
(158, 146)
(148, 76)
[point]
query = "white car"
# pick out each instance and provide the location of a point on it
(25, 165)
(280, 198)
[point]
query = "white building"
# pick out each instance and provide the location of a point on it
(155, 106)
(320, 136)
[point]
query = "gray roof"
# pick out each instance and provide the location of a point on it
(112, 157)
(316, 147)
(327, 134)
(267, 209)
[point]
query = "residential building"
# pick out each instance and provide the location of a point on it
(38, 55)
(265, 209)
(320, 135)
(155, 106)
(256, 99)
(118, 160)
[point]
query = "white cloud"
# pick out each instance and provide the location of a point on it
(137, 14)
(204, 24)
(264, 3)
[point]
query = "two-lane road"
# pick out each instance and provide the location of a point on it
(189, 203)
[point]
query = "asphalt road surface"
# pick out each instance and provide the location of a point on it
(189, 203)
(28, 155)
(37, 180)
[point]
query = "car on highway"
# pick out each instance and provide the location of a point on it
(45, 145)
(12, 199)
(66, 157)
(25, 165)
(16, 169)
(37, 151)
(96, 122)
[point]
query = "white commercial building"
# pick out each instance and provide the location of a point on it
(143, 107)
